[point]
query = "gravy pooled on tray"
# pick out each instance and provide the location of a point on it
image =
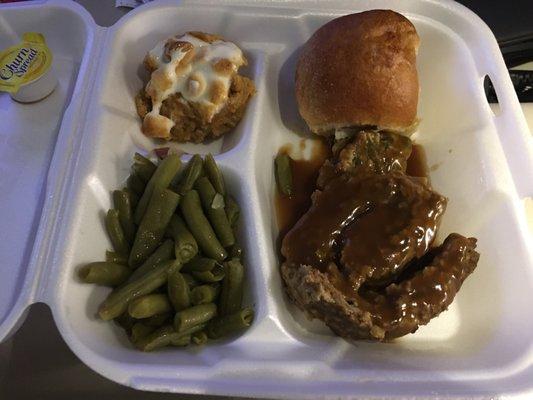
(194, 92)
(305, 172)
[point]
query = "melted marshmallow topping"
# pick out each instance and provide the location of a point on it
(200, 71)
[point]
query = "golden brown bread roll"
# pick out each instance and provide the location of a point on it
(360, 70)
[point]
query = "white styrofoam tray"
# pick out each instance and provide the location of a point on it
(483, 162)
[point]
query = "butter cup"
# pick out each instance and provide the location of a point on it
(26, 69)
(37, 89)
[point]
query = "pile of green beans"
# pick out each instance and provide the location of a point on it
(176, 267)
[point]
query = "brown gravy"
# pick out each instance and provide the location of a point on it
(304, 176)
(305, 173)
(370, 232)
(358, 218)
(326, 231)
(417, 164)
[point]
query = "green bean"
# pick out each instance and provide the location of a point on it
(199, 264)
(111, 256)
(157, 320)
(165, 336)
(185, 245)
(191, 330)
(191, 282)
(191, 174)
(160, 180)
(122, 202)
(232, 210)
(228, 324)
(214, 275)
(149, 305)
(284, 174)
(140, 330)
(134, 198)
(104, 273)
(153, 225)
(204, 294)
(126, 321)
(164, 252)
(138, 158)
(214, 174)
(199, 338)
(144, 172)
(215, 211)
(157, 339)
(116, 234)
(199, 225)
(181, 341)
(117, 301)
(143, 167)
(135, 184)
(236, 251)
(232, 288)
(190, 317)
(178, 291)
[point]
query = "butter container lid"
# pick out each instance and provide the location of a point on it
(24, 63)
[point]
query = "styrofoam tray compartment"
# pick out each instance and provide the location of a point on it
(28, 137)
(482, 162)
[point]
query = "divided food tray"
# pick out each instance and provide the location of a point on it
(56, 185)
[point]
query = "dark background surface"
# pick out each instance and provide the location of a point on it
(507, 18)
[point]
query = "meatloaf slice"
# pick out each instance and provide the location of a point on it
(393, 311)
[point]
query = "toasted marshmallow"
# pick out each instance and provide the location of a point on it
(199, 70)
